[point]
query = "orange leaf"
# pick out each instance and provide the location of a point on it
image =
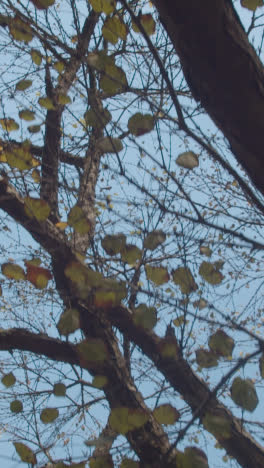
(38, 276)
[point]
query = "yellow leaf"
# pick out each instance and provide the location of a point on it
(26, 114)
(183, 277)
(78, 220)
(64, 99)
(148, 24)
(13, 271)
(20, 30)
(114, 29)
(125, 419)
(36, 56)
(103, 6)
(25, 453)
(20, 158)
(166, 414)
(23, 84)
(48, 415)
(46, 102)
(59, 66)
(61, 225)
(158, 275)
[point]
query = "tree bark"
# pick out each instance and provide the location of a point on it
(224, 73)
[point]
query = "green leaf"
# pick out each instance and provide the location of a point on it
(191, 458)
(92, 350)
(69, 322)
(145, 317)
(158, 275)
(47, 103)
(184, 279)
(94, 118)
(23, 84)
(59, 66)
(20, 30)
(26, 114)
(221, 344)
(210, 272)
(13, 271)
(101, 462)
(125, 419)
(188, 160)
(20, 158)
(154, 239)
(128, 463)
(48, 415)
(218, 425)
(130, 254)
(100, 381)
(103, 6)
(243, 393)
(110, 293)
(8, 380)
(16, 406)
(206, 359)
(25, 453)
(59, 389)
(114, 244)
(251, 4)
(36, 56)
(166, 414)
(113, 80)
(110, 145)
(37, 208)
(114, 29)
(140, 124)
(77, 219)
(34, 128)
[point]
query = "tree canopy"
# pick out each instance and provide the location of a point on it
(131, 199)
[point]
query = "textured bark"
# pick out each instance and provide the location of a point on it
(223, 72)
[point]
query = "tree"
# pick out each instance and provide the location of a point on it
(131, 283)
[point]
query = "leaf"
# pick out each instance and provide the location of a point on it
(221, 344)
(20, 158)
(188, 160)
(43, 4)
(147, 22)
(64, 99)
(25, 453)
(36, 56)
(34, 128)
(48, 415)
(201, 304)
(59, 66)
(38, 276)
(191, 458)
(37, 208)
(158, 275)
(154, 239)
(47, 103)
(128, 463)
(9, 125)
(130, 254)
(13, 271)
(23, 84)
(77, 219)
(92, 350)
(251, 4)
(206, 359)
(180, 321)
(94, 118)
(8, 380)
(101, 462)
(205, 250)
(110, 293)
(100, 60)
(16, 406)
(110, 145)
(59, 389)
(125, 419)
(243, 393)
(100, 381)
(210, 273)
(114, 80)
(166, 414)
(114, 29)
(145, 317)
(168, 349)
(183, 278)
(103, 6)
(26, 114)
(69, 322)
(140, 124)
(218, 425)
(20, 30)
(35, 174)
(114, 244)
